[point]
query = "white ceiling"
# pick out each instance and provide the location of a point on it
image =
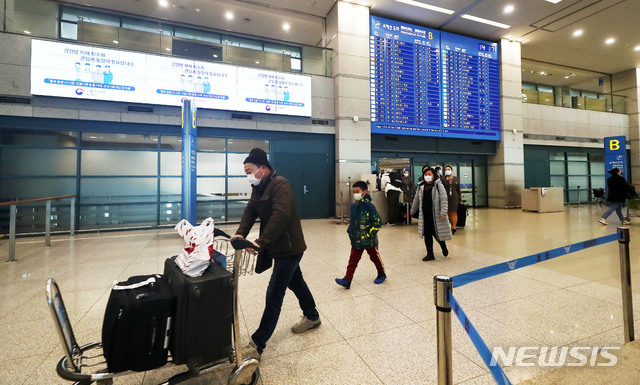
(546, 29)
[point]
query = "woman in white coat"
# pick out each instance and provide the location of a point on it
(431, 203)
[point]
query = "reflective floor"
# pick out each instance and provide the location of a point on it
(370, 334)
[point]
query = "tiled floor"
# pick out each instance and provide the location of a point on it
(371, 334)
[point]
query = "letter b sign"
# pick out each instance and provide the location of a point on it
(614, 145)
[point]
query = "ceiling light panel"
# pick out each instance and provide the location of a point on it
(427, 6)
(485, 21)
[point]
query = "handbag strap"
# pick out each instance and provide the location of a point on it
(149, 281)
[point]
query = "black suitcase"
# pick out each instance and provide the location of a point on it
(403, 213)
(462, 215)
(204, 315)
(137, 324)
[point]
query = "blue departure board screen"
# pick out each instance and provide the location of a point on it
(431, 83)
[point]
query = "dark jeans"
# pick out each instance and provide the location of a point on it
(393, 201)
(429, 234)
(286, 274)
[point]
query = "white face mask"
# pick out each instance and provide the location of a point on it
(255, 181)
(447, 172)
(406, 174)
(357, 196)
(428, 178)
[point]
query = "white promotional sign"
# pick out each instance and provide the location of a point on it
(210, 85)
(72, 71)
(83, 72)
(273, 92)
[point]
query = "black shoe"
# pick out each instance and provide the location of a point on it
(429, 257)
(445, 251)
(453, 231)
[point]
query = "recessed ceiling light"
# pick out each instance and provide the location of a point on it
(637, 48)
(610, 41)
(485, 21)
(554, 1)
(197, 9)
(286, 26)
(578, 32)
(542, 73)
(567, 77)
(115, 42)
(163, 3)
(229, 15)
(27, 32)
(215, 55)
(168, 49)
(257, 62)
(427, 6)
(509, 8)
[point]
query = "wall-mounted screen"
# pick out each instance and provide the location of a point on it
(431, 83)
(84, 72)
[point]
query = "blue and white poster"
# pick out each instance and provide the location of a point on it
(210, 85)
(615, 153)
(189, 162)
(73, 71)
(272, 92)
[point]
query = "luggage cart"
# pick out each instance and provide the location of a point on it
(633, 208)
(85, 365)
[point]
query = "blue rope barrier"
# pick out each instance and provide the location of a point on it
(481, 347)
(504, 267)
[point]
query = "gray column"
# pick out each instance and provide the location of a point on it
(348, 36)
(506, 167)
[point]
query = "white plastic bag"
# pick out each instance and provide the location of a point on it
(194, 259)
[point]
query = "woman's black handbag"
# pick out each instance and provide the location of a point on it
(263, 261)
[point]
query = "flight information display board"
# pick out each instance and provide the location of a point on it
(431, 83)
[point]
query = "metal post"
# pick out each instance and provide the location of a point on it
(47, 224)
(341, 207)
(72, 214)
(625, 274)
(578, 196)
(442, 285)
(12, 234)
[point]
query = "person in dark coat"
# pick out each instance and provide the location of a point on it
(430, 203)
(273, 202)
(451, 183)
(618, 190)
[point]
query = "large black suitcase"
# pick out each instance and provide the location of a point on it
(204, 314)
(462, 215)
(137, 324)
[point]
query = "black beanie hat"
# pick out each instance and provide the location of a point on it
(614, 171)
(258, 157)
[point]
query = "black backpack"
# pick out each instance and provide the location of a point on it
(396, 180)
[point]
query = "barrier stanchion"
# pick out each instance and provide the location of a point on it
(442, 286)
(625, 275)
(12, 233)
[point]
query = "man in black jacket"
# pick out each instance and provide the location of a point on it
(618, 190)
(272, 201)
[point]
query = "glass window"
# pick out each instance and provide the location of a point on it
(211, 163)
(147, 26)
(597, 168)
(211, 188)
(69, 31)
(557, 168)
(296, 64)
(113, 162)
(578, 168)
(171, 142)
(246, 145)
(598, 181)
(31, 188)
(211, 144)
(73, 14)
(38, 138)
(576, 156)
(170, 189)
(170, 163)
(114, 215)
(195, 34)
(118, 190)
(235, 209)
(235, 164)
(558, 181)
(556, 156)
(37, 161)
(236, 41)
(582, 181)
(543, 88)
(239, 188)
(528, 86)
(112, 140)
(213, 209)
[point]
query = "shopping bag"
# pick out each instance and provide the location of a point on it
(194, 259)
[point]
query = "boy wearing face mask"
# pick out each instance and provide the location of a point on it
(364, 225)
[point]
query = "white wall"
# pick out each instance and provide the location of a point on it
(572, 124)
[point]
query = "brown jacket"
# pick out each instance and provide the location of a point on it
(280, 230)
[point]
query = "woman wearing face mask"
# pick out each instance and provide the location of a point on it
(452, 185)
(408, 189)
(431, 203)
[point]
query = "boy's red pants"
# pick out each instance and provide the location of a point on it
(355, 256)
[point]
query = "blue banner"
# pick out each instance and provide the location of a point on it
(189, 162)
(505, 267)
(481, 347)
(615, 155)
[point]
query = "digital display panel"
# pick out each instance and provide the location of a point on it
(431, 83)
(85, 72)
